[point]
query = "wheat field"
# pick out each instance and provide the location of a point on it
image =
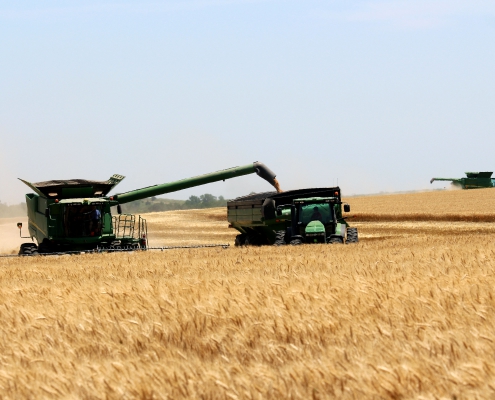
(442, 205)
(406, 313)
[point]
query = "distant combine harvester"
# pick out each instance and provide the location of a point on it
(473, 180)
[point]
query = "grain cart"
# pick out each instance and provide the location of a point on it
(473, 180)
(295, 217)
(75, 215)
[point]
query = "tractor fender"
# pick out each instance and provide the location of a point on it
(340, 230)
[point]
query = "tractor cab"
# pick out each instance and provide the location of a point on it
(313, 219)
(318, 220)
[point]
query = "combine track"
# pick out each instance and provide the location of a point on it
(198, 246)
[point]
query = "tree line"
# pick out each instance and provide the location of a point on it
(152, 204)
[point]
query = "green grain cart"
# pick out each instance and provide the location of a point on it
(75, 215)
(295, 217)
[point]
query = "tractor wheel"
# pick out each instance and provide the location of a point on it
(296, 242)
(240, 239)
(279, 238)
(336, 240)
(352, 235)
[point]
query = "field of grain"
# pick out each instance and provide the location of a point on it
(409, 312)
(442, 205)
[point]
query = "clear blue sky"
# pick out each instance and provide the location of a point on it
(381, 95)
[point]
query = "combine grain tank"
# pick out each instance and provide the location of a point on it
(75, 215)
(295, 217)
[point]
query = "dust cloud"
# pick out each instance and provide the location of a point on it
(9, 234)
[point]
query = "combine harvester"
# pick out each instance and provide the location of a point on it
(295, 217)
(473, 180)
(67, 216)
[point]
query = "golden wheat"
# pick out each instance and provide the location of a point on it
(385, 319)
(458, 205)
(408, 312)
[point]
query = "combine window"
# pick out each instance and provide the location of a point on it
(315, 212)
(82, 220)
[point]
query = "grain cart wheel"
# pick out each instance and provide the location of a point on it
(336, 240)
(296, 242)
(352, 235)
(279, 238)
(252, 240)
(240, 239)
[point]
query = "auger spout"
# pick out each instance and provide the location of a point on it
(259, 168)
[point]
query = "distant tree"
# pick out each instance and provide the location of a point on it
(193, 202)
(149, 205)
(208, 200)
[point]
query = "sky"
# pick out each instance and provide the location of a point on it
(372, 95)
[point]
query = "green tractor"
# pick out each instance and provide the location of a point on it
(292, 217)
(75, 215)
(317, 220)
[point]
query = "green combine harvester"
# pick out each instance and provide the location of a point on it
(473, 180)
(292, 217)
(75, 215)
